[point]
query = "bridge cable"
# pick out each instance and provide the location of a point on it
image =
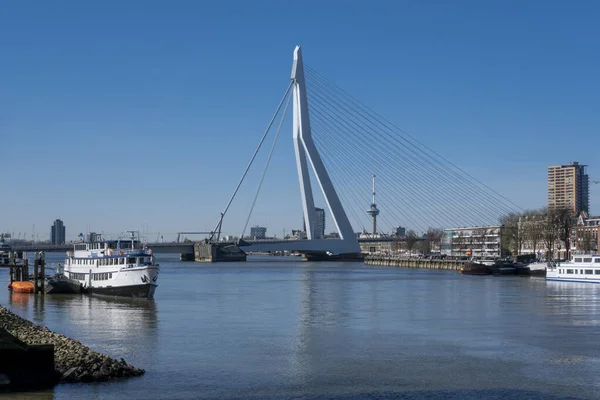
(382, 121)
(479, 196)
(262, 178)
(351, 116)
(220, 223)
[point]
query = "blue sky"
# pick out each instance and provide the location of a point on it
(121, 115)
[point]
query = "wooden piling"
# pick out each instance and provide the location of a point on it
(36, 266)
(42, 272)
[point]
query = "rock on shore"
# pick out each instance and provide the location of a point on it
(73, 361)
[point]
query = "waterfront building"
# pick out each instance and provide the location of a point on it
(57, 232)
(478, 241)
(258, 232)
(585, 234)
(399, 231)
(568, 187)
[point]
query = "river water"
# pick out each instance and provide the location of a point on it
(279, 328)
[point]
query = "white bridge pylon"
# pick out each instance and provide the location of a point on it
(306, 151)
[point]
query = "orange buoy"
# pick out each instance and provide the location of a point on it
(22, 287)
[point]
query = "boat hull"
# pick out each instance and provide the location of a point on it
(62, 285)
(144, 291)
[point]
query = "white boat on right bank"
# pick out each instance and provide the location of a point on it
(583, 268)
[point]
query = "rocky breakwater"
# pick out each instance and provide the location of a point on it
(73, 361)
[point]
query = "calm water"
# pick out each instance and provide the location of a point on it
(281, 328)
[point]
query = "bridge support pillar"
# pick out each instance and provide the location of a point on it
(218, 252)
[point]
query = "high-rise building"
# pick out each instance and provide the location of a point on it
(258, 232)
(568, 187)
(57, 232)
(399, 231)
(319, 223)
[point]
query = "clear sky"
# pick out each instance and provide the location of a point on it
(118, 115)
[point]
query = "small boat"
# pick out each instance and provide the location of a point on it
(583, 268)
(473, 268)
(22, 287)
(538, 268)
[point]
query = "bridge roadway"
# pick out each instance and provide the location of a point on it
(168, 247)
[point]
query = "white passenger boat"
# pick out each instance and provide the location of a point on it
(113, 267)
(580, 268)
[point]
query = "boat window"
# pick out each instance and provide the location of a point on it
(589, 272)
(569, 271)
(581, 271)
(121, 261)
(597, 260)
(578, 260)
(597, 271)
(587, 259)
(110, 275)
(131, 260)
(141, 260)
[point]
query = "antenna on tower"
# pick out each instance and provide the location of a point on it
(373, 175)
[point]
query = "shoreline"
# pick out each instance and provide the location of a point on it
(73, 361)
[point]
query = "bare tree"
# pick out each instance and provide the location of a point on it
(434, 236)
(551, 232)
(424, 246)
(514, 231)
(533, 227)
(410, 239)
(564, 222)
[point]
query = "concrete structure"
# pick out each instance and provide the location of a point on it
(25, 367)
(568, 186)
(217, 252)
(258, 232)
(57, 233)
(380, 245)
(479, 241)
(373, 211)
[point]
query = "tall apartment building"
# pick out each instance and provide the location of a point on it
(319, 223)
(57, 232)
(568, 187)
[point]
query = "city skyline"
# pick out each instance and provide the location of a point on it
(158, 107)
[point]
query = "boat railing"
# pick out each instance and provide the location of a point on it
(114, 252)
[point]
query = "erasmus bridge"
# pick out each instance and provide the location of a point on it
(344, 144)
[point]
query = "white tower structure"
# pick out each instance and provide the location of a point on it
(306, 152)
(306, 149)
(373, 211)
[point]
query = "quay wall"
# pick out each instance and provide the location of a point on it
(391, 261)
